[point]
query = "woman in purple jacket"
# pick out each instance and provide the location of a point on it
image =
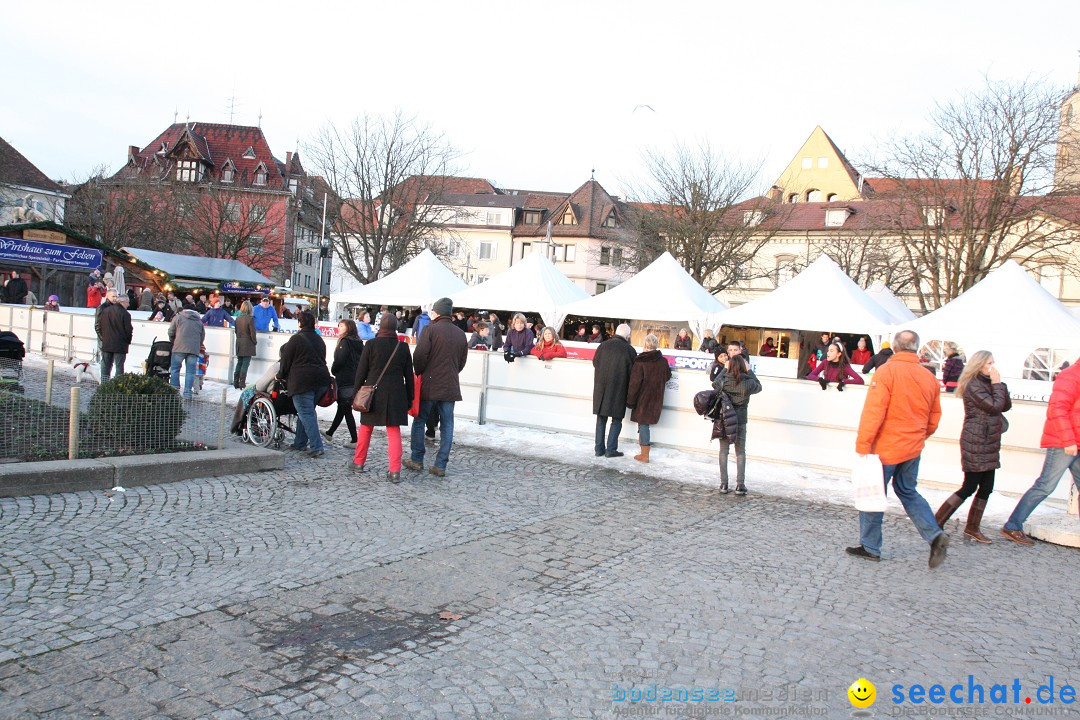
(836, 368)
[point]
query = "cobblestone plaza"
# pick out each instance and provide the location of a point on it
(516, 588)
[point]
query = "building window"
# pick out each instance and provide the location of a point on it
(307, 258)
(610, 221)
(487, 251)
(255, 244)
(494, 218)
(835, 217)
(813, 196)
(565, 253)
(823, 162)
(293, 186)
(753, 218)
(807, 163)
(601, 288)
(260, 175)
(568, 217)
(188, 171)
(453, 248)
(934, 214)
(1069, 115)
(611, 256)
(793, 198)
(256, 214)
(228, 173)
(526, 248)
(1050, 278)
(232, 211)
(785, 269)
(533, 217)
(831, 197)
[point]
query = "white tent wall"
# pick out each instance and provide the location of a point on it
(883, 296)
(419, 282)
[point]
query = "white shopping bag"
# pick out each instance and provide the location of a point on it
(869, 482)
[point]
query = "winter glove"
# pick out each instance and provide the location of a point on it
(840, 387)
(823, 383)
(509, 356)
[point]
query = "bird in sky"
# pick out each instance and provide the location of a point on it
(638, 107)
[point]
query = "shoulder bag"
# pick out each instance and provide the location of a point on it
(362, 400)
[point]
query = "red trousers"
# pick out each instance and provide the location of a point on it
(393, 445)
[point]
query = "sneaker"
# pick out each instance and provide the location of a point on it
(437, 472)
(860, 552)
(613, 453)
(419, 467)
(315, 453)
(394, 477)
(740, 489)
(1018, 536)
(937, 549)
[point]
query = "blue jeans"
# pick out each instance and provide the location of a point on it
(179, 359)
(904, 477)
(108, 360)
(643, 435)
(1054, 466)
(307, 422)
(445, 411)
(612, 434)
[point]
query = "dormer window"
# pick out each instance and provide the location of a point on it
(836, 217)
(189, 171)
(249, 154)
(163, 149)
(611, 221)
(813, 196)
(934, 215)
(831, 197)
(793, 198)
(533, 217)
(753, 218)
(568, 217)
(228, 173)
(260, 175)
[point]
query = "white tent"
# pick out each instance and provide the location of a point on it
(533, 284)
(662, 291)
(1008, 313)
(420, 282)
(893, 305)
(822, 297)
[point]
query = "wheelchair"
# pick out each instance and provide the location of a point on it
(268, 416)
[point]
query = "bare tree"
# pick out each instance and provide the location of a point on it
(866, 256)
(222, 223)
(384, 170)
(123, 212)
(700, 206)
(972, 192)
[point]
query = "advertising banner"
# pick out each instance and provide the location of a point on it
(41, 253)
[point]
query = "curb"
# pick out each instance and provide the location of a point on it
(57, 476)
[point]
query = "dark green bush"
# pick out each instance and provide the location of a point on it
(136, 411)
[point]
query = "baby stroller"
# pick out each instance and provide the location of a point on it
(159, 361)
(12, 353)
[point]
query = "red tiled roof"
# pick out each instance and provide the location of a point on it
(217, 144)
(929, 186)
(15, 169)
(591, 204)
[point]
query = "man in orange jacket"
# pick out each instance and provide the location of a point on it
(1061, 433)
(902, 409)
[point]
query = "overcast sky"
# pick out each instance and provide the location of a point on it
(536, 94)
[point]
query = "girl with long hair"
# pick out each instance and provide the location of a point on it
(386, 363)
(548, 346)
(346, 358)
(836, 368)
(739, 382)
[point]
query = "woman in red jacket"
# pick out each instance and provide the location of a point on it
(549, 347)
(836, 368)
(861, 355)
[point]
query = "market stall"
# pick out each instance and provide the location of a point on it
(417, 283)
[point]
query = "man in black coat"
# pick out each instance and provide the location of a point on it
(879, 359)
(611, 378)
(441, 353)
(113, 324)
(15, 289)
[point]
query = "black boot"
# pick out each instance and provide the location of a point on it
(243, 381)
(236, 379)
(951, 504)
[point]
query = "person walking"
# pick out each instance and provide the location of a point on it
(902, 409)
(953, 367)
(386, 364)
(346, 359)
(549, 347)
(880, 358)
(441, 354)
(265, 314)
(496, 331)
(303, 367)
(1061, 434)
(645, 394)
(737, 380)
(186, 333)
(146, 299)
(246, 343)
(611, 381)
(364, 331)
(113, 324)
(835, 368)
(986, 399)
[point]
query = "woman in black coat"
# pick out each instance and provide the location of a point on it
(645, 397)
(986, 399)
(394, 393)
(303, 367)
(346, 359)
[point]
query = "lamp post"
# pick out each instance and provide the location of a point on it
(322, 256)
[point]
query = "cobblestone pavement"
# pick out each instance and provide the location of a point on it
(512, 588)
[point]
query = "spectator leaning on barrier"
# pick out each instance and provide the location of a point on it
(611, 379)
(186, 333)
(113, 325)
(480, 339)
(265, 314)
(216, 316)
(902, 410)
(548, 347)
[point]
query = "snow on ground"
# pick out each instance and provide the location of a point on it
(764, 478)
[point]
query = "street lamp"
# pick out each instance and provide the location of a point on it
(323, 247)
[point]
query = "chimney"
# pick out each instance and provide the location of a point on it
(133, 152)
(288, 162)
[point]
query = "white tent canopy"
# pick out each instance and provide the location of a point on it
(419, 282)
(533, 284)
(893, 305)
(822, 297)
(662, 291)
(1008, 313)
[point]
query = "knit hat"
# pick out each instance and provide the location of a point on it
(443, 306)
(885, 345)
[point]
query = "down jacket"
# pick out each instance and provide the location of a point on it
(1062, 427)
(645, 396)
(902, 409)
(980, 440)
(738, 390)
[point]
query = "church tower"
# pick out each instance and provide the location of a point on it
(1067, 168)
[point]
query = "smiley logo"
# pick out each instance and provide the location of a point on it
(862, 693)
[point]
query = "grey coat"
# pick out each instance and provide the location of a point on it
(186, 333)
(611, 376)
(246, 339)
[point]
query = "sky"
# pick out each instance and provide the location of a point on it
(536, 95)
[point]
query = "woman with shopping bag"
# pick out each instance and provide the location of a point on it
(386, 368)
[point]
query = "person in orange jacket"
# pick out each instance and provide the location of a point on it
(902, 409)
(549, 347)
